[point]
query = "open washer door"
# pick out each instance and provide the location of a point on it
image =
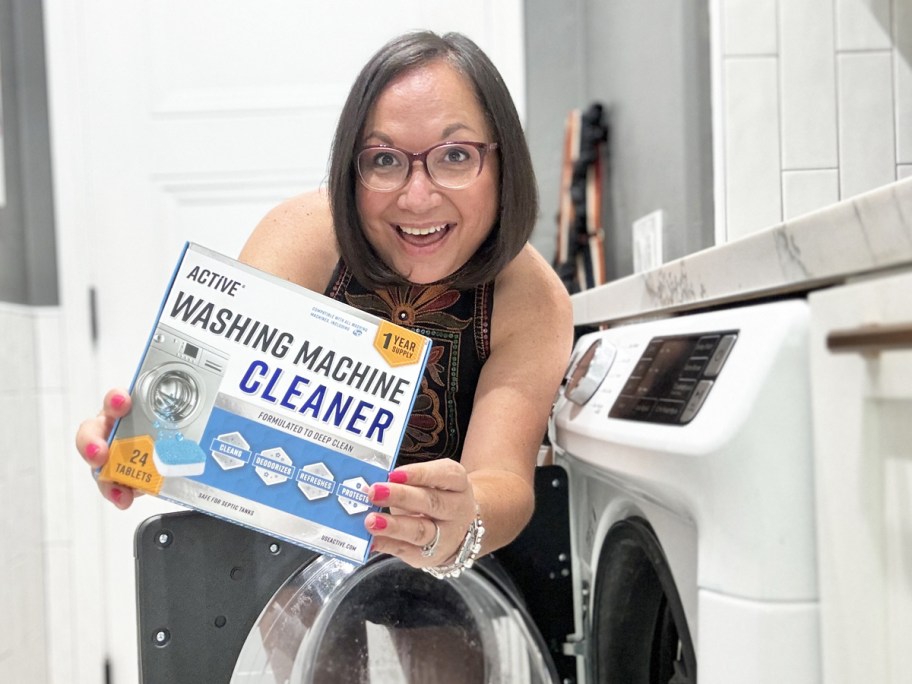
(219, 603)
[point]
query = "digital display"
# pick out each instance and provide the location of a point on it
(672, 378)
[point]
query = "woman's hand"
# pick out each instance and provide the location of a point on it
(425, 500)
(92, 443)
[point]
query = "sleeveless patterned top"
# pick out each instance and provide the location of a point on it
(459, 323)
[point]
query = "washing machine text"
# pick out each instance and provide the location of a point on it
(231, 325)
(321, 403)
(353, 373)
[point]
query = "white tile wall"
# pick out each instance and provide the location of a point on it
(863, 25)
(867, 150)
(805, 191)
(25, 636)
(807, 77)
(752, 165)
(902, 74)
(750, 27)
(843, 105)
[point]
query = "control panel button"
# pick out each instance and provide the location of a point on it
(718, 358)
(643, 407)
(706, 345)
(681, 390)
(667, 411)
(696, 400)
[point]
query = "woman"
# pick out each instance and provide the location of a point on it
(430, 203)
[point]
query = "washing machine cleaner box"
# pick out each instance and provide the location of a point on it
(267, 404)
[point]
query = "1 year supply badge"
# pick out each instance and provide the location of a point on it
(267, 404)
(397, 345)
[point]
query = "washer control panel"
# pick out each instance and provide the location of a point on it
(673, 377)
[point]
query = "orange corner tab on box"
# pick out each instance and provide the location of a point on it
(130, 463)
(398, 346)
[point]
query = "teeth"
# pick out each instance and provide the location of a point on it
(408, 230)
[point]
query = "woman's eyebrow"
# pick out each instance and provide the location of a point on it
(447, 132)
(385, 139)
(452, 128)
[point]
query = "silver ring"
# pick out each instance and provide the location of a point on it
(428, 549)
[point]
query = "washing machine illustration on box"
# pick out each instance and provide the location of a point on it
(173, 394)
(688, 454)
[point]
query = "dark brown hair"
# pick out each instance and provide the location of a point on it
(518, 194)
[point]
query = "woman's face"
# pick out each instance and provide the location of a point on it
(423, 231)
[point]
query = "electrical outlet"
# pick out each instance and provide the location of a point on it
(647, 241)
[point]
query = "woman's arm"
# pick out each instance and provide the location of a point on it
(531, 339)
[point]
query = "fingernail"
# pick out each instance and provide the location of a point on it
(378, 523)
(381, 492)
(118, 400)
(92, 450)
(116, 494)
(398, 476)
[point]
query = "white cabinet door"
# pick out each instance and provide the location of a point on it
(180, 120)
(862, 394)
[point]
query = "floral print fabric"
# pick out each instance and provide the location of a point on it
(458, 321)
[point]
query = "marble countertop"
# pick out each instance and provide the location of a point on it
(861, 235)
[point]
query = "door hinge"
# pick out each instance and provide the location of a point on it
(93, 315)
(574, 646)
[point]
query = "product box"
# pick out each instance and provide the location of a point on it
(267, 404)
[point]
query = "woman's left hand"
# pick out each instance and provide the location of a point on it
(426, 501)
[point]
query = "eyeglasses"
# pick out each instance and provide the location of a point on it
(452, 165)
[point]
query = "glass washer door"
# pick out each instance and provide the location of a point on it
(389, 623)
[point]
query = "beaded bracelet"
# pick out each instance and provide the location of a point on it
(465, 557)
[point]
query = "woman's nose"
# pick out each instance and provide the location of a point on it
(419, 193)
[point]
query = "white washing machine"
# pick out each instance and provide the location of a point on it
(688, 450)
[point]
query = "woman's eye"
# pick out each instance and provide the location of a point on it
(384, 159)
(456, 155)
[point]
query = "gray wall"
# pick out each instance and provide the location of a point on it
(648, 63)
(555, 83)
(28, 261)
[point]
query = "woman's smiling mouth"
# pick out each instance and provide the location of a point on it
(429, 230)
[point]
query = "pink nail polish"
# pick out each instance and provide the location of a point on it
(92, 450)
(381, 492)
(116, 494)
(118, 400)
(378, 523)
(398, 476)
